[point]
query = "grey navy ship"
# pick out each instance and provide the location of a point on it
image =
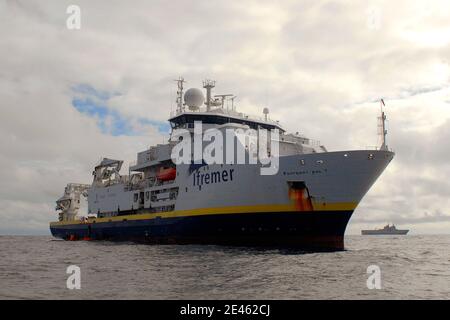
(386, 230)
(306, 204)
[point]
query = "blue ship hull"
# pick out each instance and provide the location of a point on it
(323, 230)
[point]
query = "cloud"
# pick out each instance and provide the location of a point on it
(70, 97)
(96, 104)
(436, 216)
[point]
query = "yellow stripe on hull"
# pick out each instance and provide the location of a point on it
(341, 206)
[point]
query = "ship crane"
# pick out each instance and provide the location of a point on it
(107, 172)
(69, 203)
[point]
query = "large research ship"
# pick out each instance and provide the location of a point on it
(306, 203)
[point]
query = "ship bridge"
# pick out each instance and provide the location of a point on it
(219, 116)
(217, 110)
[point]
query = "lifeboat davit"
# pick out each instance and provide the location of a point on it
(166, 174)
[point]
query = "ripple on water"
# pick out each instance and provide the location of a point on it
(411, 267)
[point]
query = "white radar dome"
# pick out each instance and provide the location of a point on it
(194, 98)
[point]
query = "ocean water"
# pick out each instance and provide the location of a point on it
(411, 267)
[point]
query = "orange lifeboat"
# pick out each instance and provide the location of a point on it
(166, 174)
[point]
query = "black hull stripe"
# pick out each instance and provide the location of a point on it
(320, 229)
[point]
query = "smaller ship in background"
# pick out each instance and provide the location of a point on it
(387, 230)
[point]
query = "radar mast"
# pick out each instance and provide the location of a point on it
(208, 85)
(179, 100)
(382, 132)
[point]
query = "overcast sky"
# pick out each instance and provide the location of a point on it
(70, 97)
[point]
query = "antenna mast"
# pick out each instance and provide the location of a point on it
(179, 100)
(382, 132)
(208, 85)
